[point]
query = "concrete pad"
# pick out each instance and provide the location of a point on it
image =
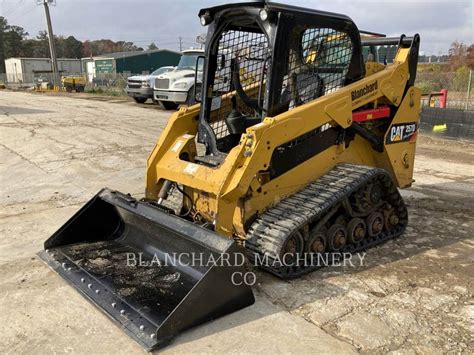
(410, 295)
(261, 328)
(46, 313)
(365, 330)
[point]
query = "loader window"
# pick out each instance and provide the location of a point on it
(242, 55)
(317, 65)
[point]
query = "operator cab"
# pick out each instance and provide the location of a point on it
(263, 59)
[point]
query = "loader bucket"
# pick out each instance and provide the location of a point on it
(153, 273)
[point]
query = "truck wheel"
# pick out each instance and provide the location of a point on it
(191, 99)
(69, 88)
(140, 100)
(80, 88)
(168, 105)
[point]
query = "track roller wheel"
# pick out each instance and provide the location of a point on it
(391, 218)
(356, 230)
(293, 247)
(317, 241)
(337, 237)
(374, 224)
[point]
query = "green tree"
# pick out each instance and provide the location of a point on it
(11, 41)
(41, 45)
(14, 42)
(59, 43)
(470, 56)
(72, 48)
(461, 78)
(425, 86)
(457, 55)
(152, 46)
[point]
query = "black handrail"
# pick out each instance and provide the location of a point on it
(387, 41)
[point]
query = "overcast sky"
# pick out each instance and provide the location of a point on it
(163, 21)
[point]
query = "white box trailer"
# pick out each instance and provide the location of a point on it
(26, 70)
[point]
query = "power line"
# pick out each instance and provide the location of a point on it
(15, 8)
(11, 20)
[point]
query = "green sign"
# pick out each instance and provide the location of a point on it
(104, 66)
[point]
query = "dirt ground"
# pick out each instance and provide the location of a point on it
(412, 295)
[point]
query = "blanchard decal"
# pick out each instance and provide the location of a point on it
(369, 88)
(402, 132)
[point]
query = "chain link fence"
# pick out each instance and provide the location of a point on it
(431, 81)
(112, 84)
(451, 116)
(456, 83)
(448, 123)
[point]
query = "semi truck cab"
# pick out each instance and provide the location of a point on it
(177, 87)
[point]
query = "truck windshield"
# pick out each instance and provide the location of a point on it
(188, 61)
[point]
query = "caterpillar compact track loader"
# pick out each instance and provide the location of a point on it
(296, 149)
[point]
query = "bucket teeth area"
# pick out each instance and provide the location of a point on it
(130, 265)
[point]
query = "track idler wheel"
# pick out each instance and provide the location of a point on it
(293, 247)
(359, 202)
(317, 242)
(374, 224)
(356, 230)
(337, 237)
(367, 197)
(374, 193)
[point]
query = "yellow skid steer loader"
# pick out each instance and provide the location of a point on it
(303, 160)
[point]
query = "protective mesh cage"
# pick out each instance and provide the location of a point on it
(318, 67)
(250, 49)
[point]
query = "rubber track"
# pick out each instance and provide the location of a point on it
(269, 231)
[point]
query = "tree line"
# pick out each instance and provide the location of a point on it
(14, 42)
(453, 75)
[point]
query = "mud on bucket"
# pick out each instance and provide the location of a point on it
(153, 273)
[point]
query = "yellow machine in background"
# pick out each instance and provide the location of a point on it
(73, 83)
(298, 159)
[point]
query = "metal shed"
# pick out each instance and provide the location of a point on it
(138, 62)
(27, 70)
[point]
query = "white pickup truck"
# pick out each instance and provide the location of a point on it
(177, 86)
(140, 87)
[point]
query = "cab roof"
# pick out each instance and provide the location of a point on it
(272, 6)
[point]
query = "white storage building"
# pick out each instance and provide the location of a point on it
(26, 70)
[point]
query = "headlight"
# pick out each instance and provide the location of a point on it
(180, 85)
(263, 14)
(205, 19)
(145, 84)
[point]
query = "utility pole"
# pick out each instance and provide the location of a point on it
(468, 89)
(52, 47)
(180, 44)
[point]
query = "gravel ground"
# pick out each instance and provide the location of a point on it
(412, 295)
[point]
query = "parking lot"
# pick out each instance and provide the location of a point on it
(412, 295)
